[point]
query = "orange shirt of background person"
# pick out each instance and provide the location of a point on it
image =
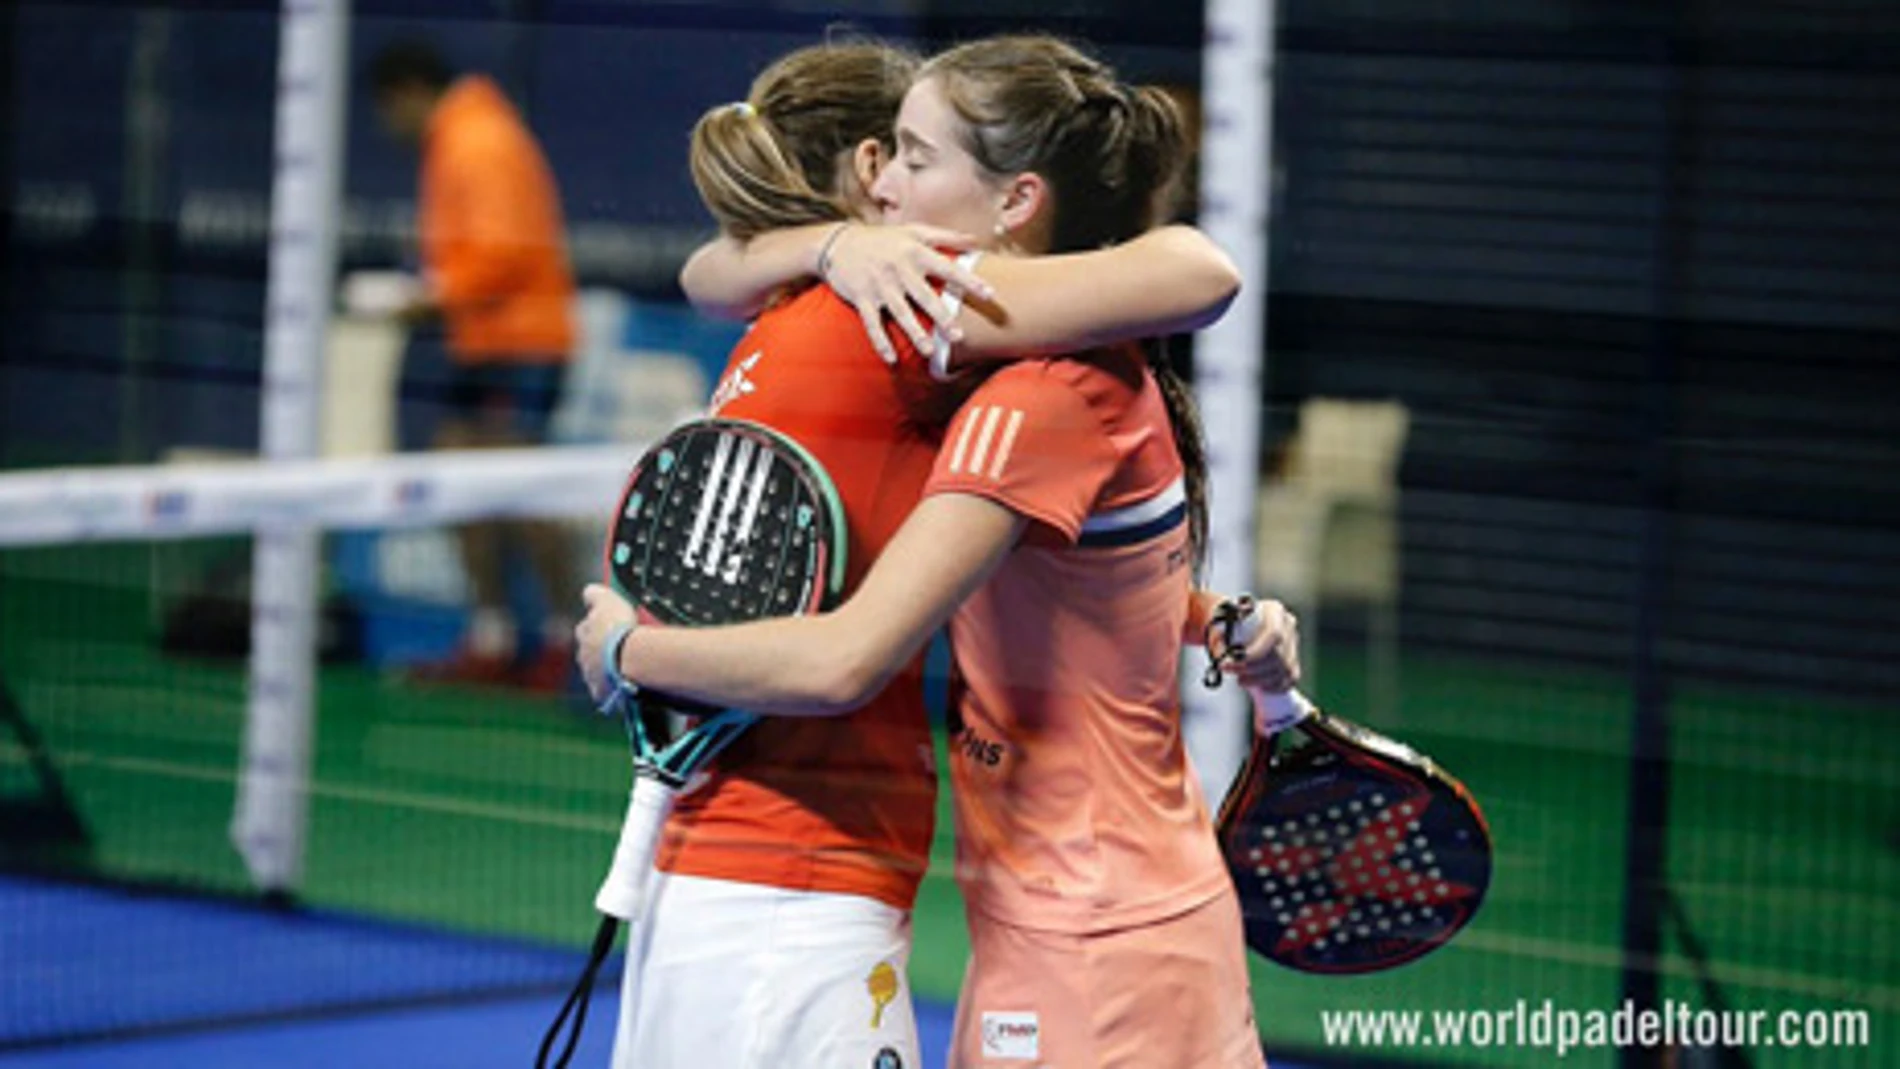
(493, 239)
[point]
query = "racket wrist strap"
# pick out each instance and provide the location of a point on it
(610, 661)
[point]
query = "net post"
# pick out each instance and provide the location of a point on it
(1235, 199)
(1647, 895)
(269, 824)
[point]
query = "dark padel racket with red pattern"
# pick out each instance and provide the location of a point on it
(1352, 853)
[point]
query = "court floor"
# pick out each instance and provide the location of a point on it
(488, 817)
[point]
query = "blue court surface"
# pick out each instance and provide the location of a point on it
(160, 980)
(105, 978)
(490, 1035)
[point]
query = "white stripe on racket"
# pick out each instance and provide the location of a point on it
(707, 495)
(761, 474)
(734, 487)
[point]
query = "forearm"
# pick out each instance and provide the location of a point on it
(733, 279)
(472, 278)
(1170, 280)
(1201, 607)
(830, 664)
(793, 666)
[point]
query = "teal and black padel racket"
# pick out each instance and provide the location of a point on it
(723, 521)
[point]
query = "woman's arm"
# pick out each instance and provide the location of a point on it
(1201, 607)
(731, 279)
(828, 664)
(1169, 280)
(893, 265)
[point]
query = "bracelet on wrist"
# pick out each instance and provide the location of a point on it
(824, 250)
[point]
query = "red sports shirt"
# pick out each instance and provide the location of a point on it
(840, 804)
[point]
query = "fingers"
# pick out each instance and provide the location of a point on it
(1271, 659)
(927, 297)
(605, 608)
(897, 297)
(871, 314)
(587, 655)
(951, 273)
(967, 280)
(1272, 677)
(942, 237)
(898, 274)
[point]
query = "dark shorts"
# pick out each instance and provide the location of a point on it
(518, 397)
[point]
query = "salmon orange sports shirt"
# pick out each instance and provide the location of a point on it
(1075, 808)
(494, 246)
(837, 804)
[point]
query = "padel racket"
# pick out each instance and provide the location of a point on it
(723, 521)
(1352, 853)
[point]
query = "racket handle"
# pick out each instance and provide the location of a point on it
(1275, 711)
(623, 893)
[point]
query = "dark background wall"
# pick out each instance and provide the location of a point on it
(1631, 265)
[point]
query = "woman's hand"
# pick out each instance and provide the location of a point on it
(1271, 658)
(606, 612)
(889, 270)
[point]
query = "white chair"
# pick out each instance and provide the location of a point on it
(620, 392)
(1327, 530)
(362, 374)
(621, 389)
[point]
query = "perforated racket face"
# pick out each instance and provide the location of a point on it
(723, 522)
(1349, 857)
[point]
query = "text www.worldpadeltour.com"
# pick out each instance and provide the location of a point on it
(1546, 1026)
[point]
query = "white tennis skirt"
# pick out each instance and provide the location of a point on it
(728, 975)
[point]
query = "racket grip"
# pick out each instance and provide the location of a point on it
(623, 893)
(1275, 711)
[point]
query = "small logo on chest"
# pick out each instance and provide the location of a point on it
(735, 384)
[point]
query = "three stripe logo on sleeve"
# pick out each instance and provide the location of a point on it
(985, 440)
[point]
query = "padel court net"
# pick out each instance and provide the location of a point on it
(454, 834)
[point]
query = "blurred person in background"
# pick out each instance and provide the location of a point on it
(495, 273)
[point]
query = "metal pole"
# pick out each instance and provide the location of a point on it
(1645, 888)
(1236, 191)
(273, 788)
(147, 129)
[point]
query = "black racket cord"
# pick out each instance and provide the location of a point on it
(578, 999)
(1224, 620)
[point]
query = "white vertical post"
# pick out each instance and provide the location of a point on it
(1236, 191)
(269, 824)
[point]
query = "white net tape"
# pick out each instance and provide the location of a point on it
(181, 501)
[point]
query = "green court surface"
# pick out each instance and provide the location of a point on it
(496, 814)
